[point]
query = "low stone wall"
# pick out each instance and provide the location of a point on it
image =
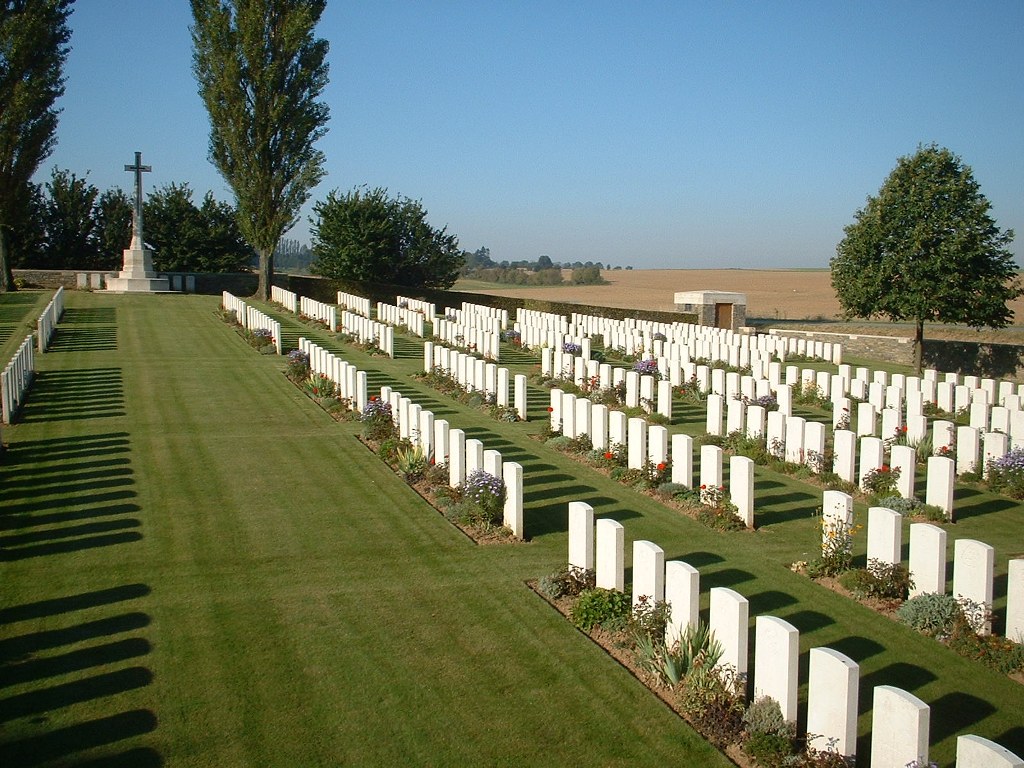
(999, 361)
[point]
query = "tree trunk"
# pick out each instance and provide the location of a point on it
(6, 276)
(918, 345)
(266, 273)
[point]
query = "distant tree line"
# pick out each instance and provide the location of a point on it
(69, 224)
(480, 266)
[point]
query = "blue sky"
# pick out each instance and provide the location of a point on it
(661, 135)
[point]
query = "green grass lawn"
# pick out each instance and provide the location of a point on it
(199, 567)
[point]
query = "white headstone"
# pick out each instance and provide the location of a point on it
(885, 535)
(581, 536)
(1015, 600)
(776, 655)
(832, 698)
(741, 488)
(941, 480)
(899, 728)
(927, 559)
(610, 571)
(973, 564)
(512, 474)
(648, 572)
(730, 612)
(977, 752)
(682, 593)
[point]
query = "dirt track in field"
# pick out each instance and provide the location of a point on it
(773, 296)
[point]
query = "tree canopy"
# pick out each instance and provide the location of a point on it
(33, 46)
(190, 238)
(261, 71)
(926, 249)
(368, 236)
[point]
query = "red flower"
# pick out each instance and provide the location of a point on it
(372, 398)
(703, 487)
(550, 409)
(903, 429)
(884, 468)
(661, 467)
(608, 455)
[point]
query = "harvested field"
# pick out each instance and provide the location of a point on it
(773, 296)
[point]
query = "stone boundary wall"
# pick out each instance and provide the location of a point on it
(1000, 361)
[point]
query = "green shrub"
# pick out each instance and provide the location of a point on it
(411, 463)
(931, 614)
(882, 580)
(600, 607)
(998, 653)
(713, 700)
(649, 618)
(567, 582)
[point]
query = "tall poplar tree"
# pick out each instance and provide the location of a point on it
(261, 71)
(926, 249)
(34, 40)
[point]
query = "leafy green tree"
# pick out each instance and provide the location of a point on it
(186, 238)
(926, 249)
(114, 227)
(261, 72)
(366, 235)
(33, 46)
(71, 231)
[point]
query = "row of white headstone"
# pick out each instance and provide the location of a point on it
(16, 378)
(608, 429)
(479, 316)
(427, 308)
(682, 341)
(395, 315)
(287, 299)
(474, 338)
(351, 382)
(358, 304)
(900, 721)
(46, 325)
(973, 561)
(476, 375)
(253, 319)
(369, 331)
(319, 310)
(447, 446)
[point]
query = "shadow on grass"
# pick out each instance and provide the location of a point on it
(982, 504)
(1012, 739)
(63, 448)
(78, 394)
(809, 621)
(958, 711)
(81, 601)
(91, 734)
(29, 666)
(88, 339)
(909, 677)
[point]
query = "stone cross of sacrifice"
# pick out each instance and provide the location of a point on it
(138, 169)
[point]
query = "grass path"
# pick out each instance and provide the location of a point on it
(199, 567)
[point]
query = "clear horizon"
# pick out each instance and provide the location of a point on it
(657, 135)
